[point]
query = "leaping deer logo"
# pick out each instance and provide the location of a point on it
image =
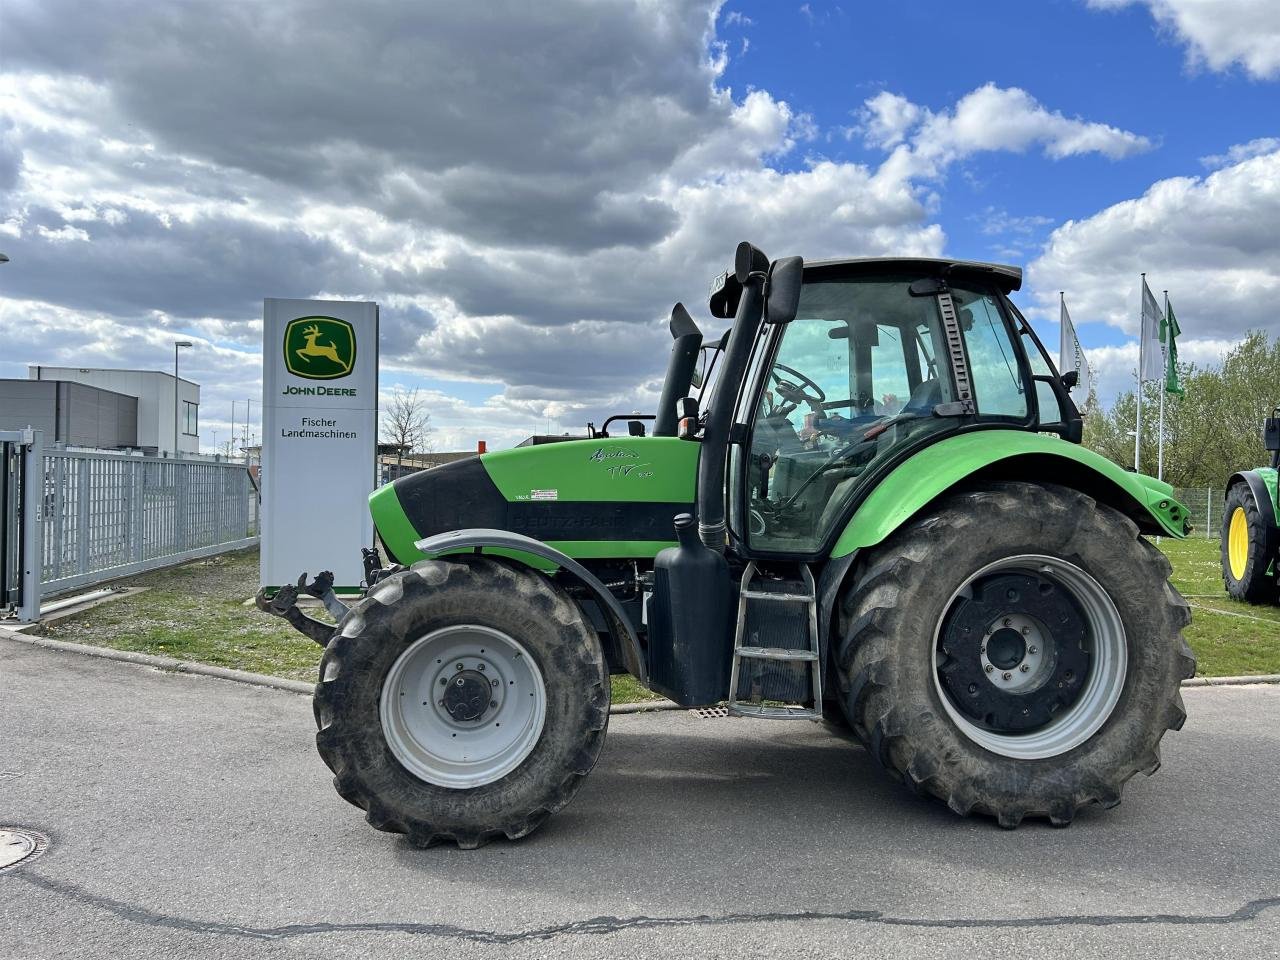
(314, 348)
(319, 348)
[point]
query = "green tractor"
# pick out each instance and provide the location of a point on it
(1249, 535)
(865, 502)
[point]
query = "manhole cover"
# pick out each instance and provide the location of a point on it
(18, 845)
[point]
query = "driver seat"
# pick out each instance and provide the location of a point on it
(926, 396)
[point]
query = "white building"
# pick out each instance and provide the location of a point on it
(154, 391)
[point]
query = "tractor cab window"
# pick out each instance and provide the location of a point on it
(998, 387)
(855, 378)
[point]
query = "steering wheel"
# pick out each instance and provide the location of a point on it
(795, 393)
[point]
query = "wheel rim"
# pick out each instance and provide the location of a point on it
(1068, 619)
(1238, 543)
(463, 706)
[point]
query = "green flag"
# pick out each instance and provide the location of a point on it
(1169, 331)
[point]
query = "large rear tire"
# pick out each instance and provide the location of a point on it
(1015, 651)
(462, 701)
(1245, 561)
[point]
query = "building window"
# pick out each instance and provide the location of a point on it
(190, 418)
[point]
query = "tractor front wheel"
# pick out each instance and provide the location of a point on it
(462, 700)
(1015, 651)
(1245, 561)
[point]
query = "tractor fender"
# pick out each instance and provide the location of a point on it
(1264, 495)
(1000, 454)
(522, 549)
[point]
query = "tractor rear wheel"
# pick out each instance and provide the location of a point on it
(1015, 651)
(462, 701)
(1244, 548)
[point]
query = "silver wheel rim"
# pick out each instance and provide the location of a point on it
(427, 737)
(1109, 665)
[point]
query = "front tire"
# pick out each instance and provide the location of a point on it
(1015, 651)
(1244, 548)
(420, 679)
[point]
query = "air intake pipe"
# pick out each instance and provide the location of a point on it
(750, 270)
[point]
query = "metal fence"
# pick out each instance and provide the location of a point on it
(1205, 506)
(102, 516)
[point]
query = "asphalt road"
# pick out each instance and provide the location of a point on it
(190, 817)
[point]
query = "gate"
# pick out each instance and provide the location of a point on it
(76, 518)
(20, 463)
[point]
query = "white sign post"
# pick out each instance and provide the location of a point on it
(319, 437)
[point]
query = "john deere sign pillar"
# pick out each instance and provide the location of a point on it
(319, 437)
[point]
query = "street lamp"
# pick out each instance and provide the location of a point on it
(176, 345)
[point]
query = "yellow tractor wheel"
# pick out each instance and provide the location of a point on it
(1247, 554)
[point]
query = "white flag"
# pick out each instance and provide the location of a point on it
(1150, 347)
(1071, 356)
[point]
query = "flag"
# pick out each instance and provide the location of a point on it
(1149, 342)
(1070, 355)
(1169, 331)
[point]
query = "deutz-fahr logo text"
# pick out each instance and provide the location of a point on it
(319, 348)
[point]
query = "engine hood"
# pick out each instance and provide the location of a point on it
(588, 498)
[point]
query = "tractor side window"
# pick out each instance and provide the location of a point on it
(993, 362)
(853, 380)
(1046, 400)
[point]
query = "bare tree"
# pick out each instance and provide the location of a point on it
(406, 423)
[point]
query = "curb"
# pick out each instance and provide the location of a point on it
(1231, 681)
(163, 663)
(172, 665)
(645, 706)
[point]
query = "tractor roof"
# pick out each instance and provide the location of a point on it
(1007, 278)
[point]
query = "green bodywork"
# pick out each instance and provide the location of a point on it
(632, 469)
(944, 464)
(621, 469)
(1268, 475)
(664, 469)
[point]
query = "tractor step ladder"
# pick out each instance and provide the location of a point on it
(751, 594)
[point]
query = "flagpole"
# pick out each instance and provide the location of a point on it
(1062, 330)
(1137, 433)
(1164, 356)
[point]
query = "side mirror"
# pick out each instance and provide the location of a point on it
(687, 417)
(1070, 379)
(1271, 433)
(785, 278)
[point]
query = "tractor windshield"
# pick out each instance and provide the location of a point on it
(856, 378)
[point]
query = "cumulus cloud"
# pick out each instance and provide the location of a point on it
(524, 188)
(1219, 33)
(1210, 241)
(1242, 151)
(989, 118)
(887, 118)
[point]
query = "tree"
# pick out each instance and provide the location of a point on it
(1214, 429)
(406, 423)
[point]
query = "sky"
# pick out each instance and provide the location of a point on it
(526, 189)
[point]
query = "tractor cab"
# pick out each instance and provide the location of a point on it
(868, 362)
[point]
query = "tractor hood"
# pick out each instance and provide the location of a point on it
(599, 498)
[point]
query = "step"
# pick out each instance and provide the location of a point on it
(767, 595)
(763, 712)
(775, 653)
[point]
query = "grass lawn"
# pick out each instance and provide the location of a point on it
(1230, 638)
(198, 612)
